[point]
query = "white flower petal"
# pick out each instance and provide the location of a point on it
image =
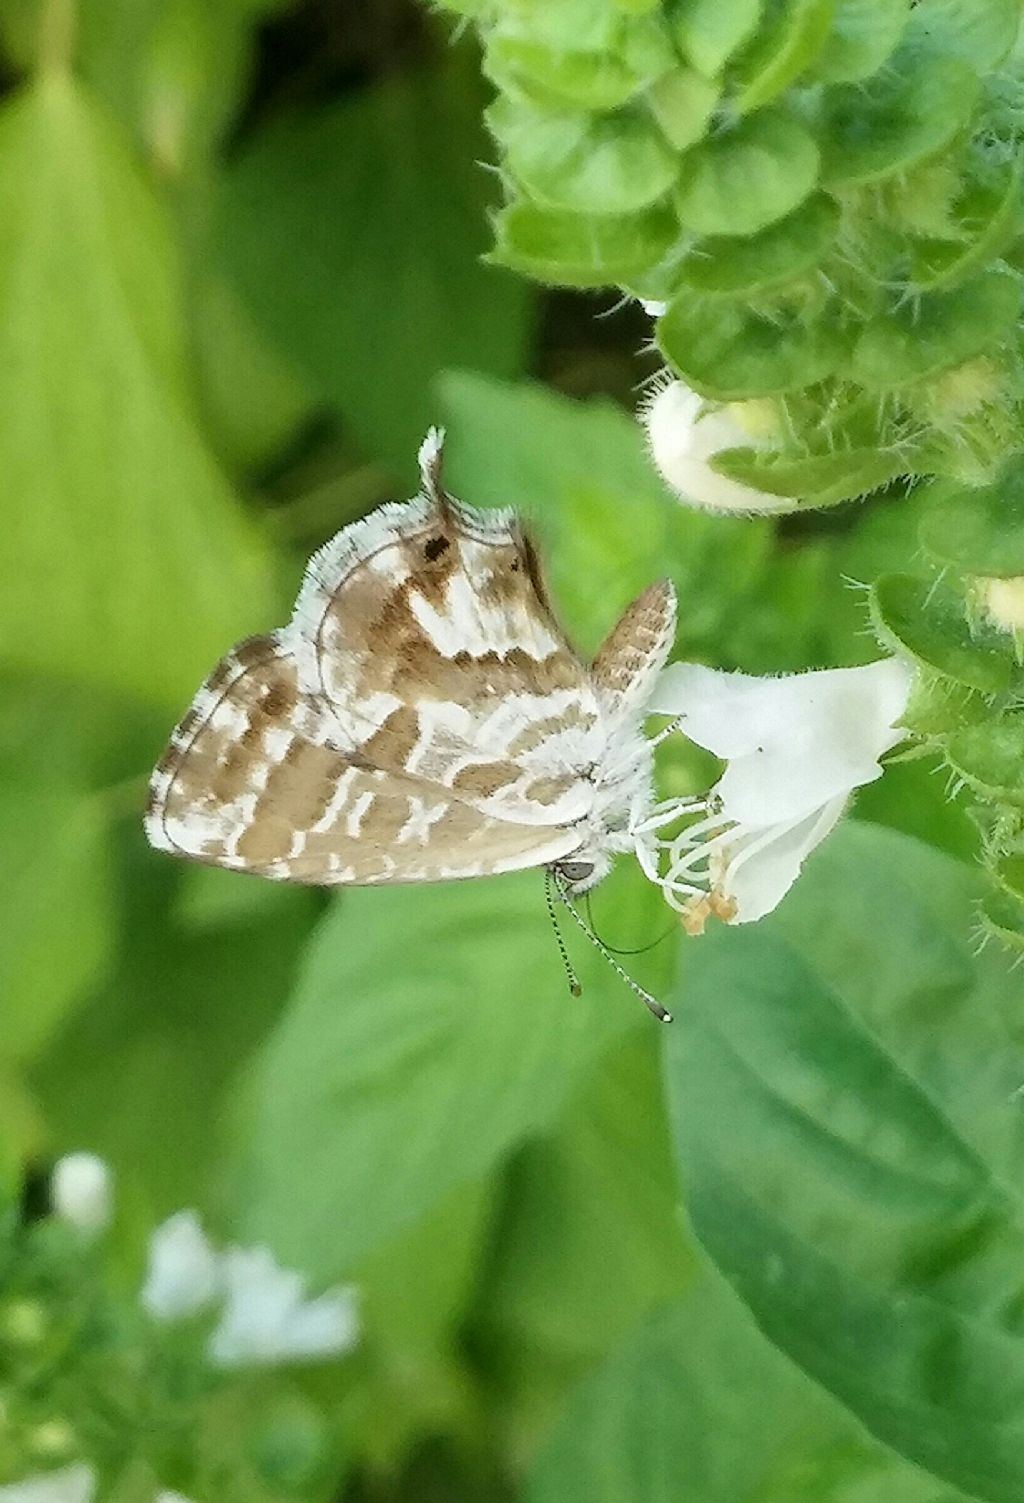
(266, 1317)
(683, 435)
(792, 743)
(71, 1484)
(183, 1276)
(795, 749)
(758, 879)
(81, 1191)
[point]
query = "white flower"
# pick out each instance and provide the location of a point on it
(80, 1192)
(267, 1318)
(71, 1484)
(684, 435)
(166, 1497)
(1003, 600)
(183, 1276)
(795, 749)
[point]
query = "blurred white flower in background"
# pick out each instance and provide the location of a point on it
(264, 1314)
(183, 1275)
(684, 434)
(81, 1192)
(71, 1484)
(267, 1318)
(795, 749)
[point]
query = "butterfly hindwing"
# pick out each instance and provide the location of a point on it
(252, 781)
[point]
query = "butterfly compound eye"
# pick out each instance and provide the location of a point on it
(576, 871)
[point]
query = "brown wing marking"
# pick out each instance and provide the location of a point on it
(250, 781)
(433, 615)
(634, 652)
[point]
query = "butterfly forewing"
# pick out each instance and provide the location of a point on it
(421, 717)
(425, 631)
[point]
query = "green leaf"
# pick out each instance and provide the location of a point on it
(982, 31)
(58, 905)
(784, 47)
(172, 71)
(980, 530)
(934, 331)
(990, 758)
(814, 479)
(844, 1096)
(582, 53)
(908, 111)
(864, 33)
(590, 1240)
(728, 352)
(746, 178)
(165, 1037)
(117, 507)
(987, 215)
(593, 164)
(698, 1405)
(68, 761)
(708, 33)
(928, 622)
(730, 265)
(254, 400)
(379, 199)
(430, 1032)
(682, 102)
(415, 1294)
(581, 250)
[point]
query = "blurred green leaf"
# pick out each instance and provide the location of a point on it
(698, 1405)
(354, 233)
(864, 33)
(590, 1238)
(141, 1074)
(588, 1242)
(126, 561)
(982, 31)
(708, 33)
(430, 1032)
(68, 764)
(844, 1085)
(414, 1296)
(253, 399)
(57, 900)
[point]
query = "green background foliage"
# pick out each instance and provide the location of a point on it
(772, 1254)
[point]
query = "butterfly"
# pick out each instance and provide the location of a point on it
(421, 718)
